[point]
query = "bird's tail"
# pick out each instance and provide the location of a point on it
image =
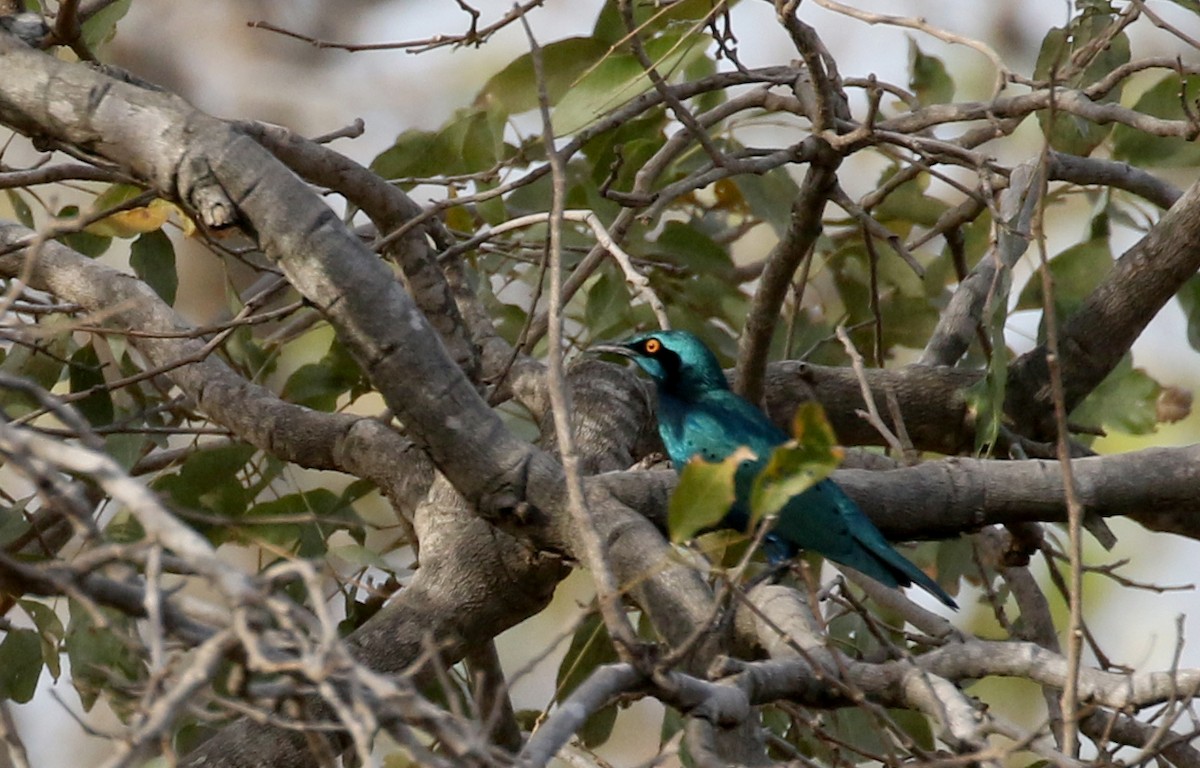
(884, 558)
(907, 574)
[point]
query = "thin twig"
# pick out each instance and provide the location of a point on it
(920, 25)
(872, 413)
(473, 36)
(608, 594)
(1070, 695)
(636, 280)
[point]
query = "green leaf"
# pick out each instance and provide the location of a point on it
(652, 18)
(1165, 99)
(84, 242)
(985, 402)
(20, 208)
(704, 495)
(1075, 273)
(1069, 133)
(514, 89)
(1074, 135)
(698, 69)
(247, 353)
(319, 385)
(102, 656)
(414, 154)
(798, 464)
(315, 386)
(126, 449)
(607, 308)
(50, 632)
(124, 528)
(928, 77)
(360, 556)
(87, 373)
(590, 648)
(42, 364)
(102, 26)
(915, 725)
(493, 210)
(114, 195)
(985, 399)
(908, 204)
(619, 77)
(626, 149)
(20, 665)
(471, 141)
(684, 244)
(482, 144)
(674, 722)
(907, 320)
(770, 197)
(13, 521)
(152, 258)
(635, 153)
(955, 560)
(1125, 401)
(860, 730)
(1189, 299)
(298, 522)
(208, 480)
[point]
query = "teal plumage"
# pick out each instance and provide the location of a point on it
(698, 415)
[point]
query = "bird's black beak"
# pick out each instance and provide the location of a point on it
(612, 349)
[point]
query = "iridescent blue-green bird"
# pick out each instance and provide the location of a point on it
(698, 415)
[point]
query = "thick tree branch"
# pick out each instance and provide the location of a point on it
(491, 519)
(940, 498)
(943, 499)
(932, 401)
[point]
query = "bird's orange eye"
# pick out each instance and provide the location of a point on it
(652, 346)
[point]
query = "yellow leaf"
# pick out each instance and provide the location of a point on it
(135, 221)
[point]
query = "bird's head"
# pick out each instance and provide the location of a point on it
(678, 361)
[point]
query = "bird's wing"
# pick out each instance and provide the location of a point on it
(817, 520)
(719, 424)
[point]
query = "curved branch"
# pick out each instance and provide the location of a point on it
(1089, 171)
(980, 658)
(390, 208)
(987, 283)
(804, 227)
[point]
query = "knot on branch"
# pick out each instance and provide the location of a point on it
(505, 500)
(29, 27)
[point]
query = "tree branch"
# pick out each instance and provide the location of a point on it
(804, 228)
